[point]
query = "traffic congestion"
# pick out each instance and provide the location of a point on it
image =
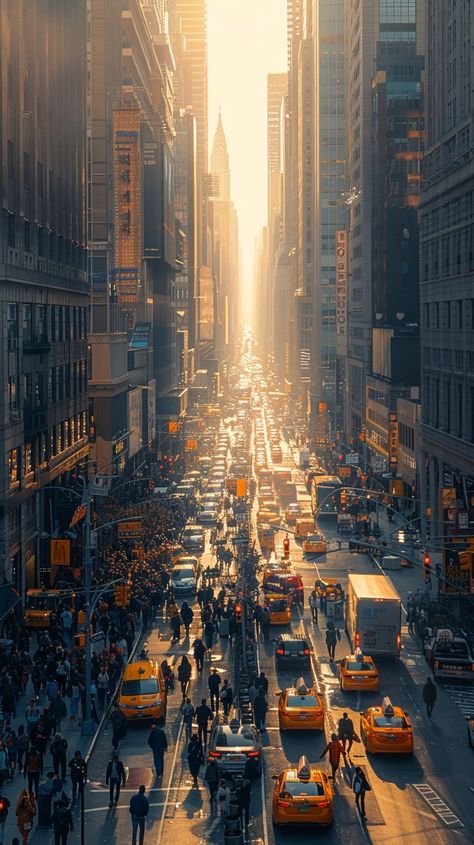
(273, 682)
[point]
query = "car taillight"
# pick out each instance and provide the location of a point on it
(282, 803)
(399, 641)
(357, 639)
(253, 753)
(280, 651)
(307, 651)
(437, 664)
(215, 754)
(323, 803)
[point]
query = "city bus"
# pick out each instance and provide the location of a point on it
(325, 491)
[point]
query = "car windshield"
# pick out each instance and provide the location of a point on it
(294, 789)
(294, 645)
(147, 686)
(239, 739)
(278, 606)
(179, 574)
(359, 666)
(302, 701)
(390, 722)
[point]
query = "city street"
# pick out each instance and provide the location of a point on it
(427, 796)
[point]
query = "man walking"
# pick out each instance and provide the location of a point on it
(139, 808)
(360, 786)
(115, 776)
(158, 744)
(265, 624)
(214, 682)
(187, 712)
(61, 821)
(58, 751)
(430, 694)
(313, 604)
(199, 650)
(78, 768)
(345, 732)
(335, 750)
(119, 726)
(203, 716)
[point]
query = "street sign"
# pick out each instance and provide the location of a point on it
(129, 529)
(101, 485)
(344, 472)
(60, 552)
(191, 445)
(352, 458)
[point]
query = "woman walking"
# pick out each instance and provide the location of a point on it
(195, 758)
(184, 675)
(25, 812)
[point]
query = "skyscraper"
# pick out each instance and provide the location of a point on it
(220, 173)
(446, 272)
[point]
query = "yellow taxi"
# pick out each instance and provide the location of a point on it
(386, 729)
(314, 543)
(291, 513)
(279, 609)
(358, 672)
(303, 796)
(300, 708)
(142, 692)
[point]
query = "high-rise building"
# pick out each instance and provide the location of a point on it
(329, 213)
(219, 170)
(43, 278)
(446, 273)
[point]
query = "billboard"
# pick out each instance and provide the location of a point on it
(127, 204)
(140, 338)
(152, 206)
(341, 292)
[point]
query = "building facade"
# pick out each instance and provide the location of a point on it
(446, 273)
(43, 278)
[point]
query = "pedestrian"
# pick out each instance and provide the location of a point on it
(58, 750)
(119, 726)
(209, 630)
(226, 695)
(223, 798)
(332, 636)
(25, 812)
(158, 744)
(11, 743)
(265, 624)
(214, 682)
(187, 615)
(184, 675)
(260, 709)
(360, 786)
(114, 779)
(4, 807)
(334, 749)
(78, 769)
(102, 684)
(262, 682)
(139, 808)
(23, 746)
(61, 821)
(199, 650)
(430, 694)
(257, 615)
(195, 757)
(4, 764)
(203, 716)
(313, 603)
(187, 712)
(33, 768)
(243, 791)
(175, 625)
(345, 732)
(211, 777)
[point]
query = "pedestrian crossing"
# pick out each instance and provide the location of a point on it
(463, 696)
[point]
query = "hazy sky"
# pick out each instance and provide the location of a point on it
(246, 41)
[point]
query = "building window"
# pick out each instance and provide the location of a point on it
(459, 410)
(12, 320)
(13, 467)
(12, 393)
(27, 322)
(27, 459)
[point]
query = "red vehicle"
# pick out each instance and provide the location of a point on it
(289, 585)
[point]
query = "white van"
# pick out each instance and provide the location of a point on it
(183, 579)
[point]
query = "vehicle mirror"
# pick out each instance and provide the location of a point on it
(278, 693)
(274, 777)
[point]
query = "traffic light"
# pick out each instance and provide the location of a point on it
(127, 591)
(427, 563)
(343, 498)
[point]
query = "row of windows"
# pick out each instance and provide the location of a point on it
(449, 359)
(46, 322)
(449, 214)
(448, 255)
(25, 459)
(406, 435)
(64, 382)
(449, 406)
(457, 314)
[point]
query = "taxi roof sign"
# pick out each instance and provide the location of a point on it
(304, 769)
(387, 707)
(358, 654)
(301, 687)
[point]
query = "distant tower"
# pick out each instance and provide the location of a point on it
(220, 173)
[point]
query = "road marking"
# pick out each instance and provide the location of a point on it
(262, 786)
(437, 804)
(168, 788)
(463, 696)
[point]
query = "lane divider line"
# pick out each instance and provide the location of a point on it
(437, 804)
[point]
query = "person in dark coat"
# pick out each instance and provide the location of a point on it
(115, 777)
(58, 750)
(360, 786)
(158, 744)
(243, 792)
(175, 625)
(187, 615)
(199, 650)
(184, 675)
(214, 682)
(119, 726)
(61, 821)
(203, 715)
(195, 757)
(430, 694)
(209, 631)
(259, 710)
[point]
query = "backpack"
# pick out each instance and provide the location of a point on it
(357, 785)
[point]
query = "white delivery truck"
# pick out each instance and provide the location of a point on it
(373, 615)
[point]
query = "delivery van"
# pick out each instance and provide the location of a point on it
(373, 615)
